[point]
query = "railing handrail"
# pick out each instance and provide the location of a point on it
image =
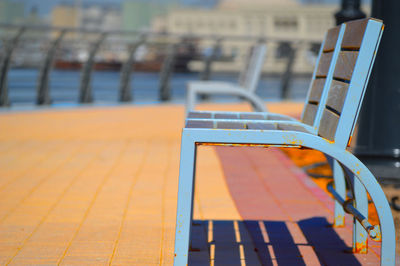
(99, 36)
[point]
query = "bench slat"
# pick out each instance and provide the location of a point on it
(354, 34)
(278, 117)
(292, 128)
(345, 65)
(309, 113)
(337, 95)
(231, 125)
(316, 90)
(252, 116)
(328, 126)
(261, 126)
(199, 124)
(226, 116)
(198, 115)
(331, 39)
(324, 63)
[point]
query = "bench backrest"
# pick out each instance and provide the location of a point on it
(350, 77)
(344, 82)
(252, 70)
(322, 76)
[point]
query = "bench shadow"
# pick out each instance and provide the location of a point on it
(265, 243)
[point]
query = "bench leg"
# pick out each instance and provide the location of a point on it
(360, 236)
(348, 161)
(340, 187)
(387, 228)
(185, 201)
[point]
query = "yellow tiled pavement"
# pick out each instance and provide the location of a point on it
(98, 185)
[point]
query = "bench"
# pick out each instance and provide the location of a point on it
(245, 88)
(331, 131)
(313, 109)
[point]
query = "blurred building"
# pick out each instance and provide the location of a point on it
(87, 17)
(139, 14)
(95, 17)
(282, 21)
(33, 18)
(201, 3)
(90, 17)
(106, 18)
(65, 16)
(11, 12)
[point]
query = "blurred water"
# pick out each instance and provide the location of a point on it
(64, 87)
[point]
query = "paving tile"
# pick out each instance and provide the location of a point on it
(98, 186)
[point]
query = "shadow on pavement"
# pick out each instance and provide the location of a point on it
(265, 243)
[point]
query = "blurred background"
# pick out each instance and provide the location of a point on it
(63, 52)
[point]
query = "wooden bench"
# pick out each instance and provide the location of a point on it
(245, 88)
(313, 109)
(331, 131)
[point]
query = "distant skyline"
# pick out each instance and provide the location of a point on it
(44, 7)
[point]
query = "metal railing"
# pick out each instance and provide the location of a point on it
(51, 43)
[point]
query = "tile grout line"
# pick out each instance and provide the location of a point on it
(52, 208)
(30, 150)
(24, 147)
(12, 146)
(43, 180)
(107, 176)
(40, 161)
(130, 193)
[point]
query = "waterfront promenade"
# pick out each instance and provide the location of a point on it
(97, 186)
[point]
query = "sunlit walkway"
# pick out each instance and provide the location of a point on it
(98, 186)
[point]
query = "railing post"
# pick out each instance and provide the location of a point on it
(43, 94)
(166, 71)
(87, 70)
(9, 48)
(209, 59)
(350, 10)
(125, 94)
(287, 75)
